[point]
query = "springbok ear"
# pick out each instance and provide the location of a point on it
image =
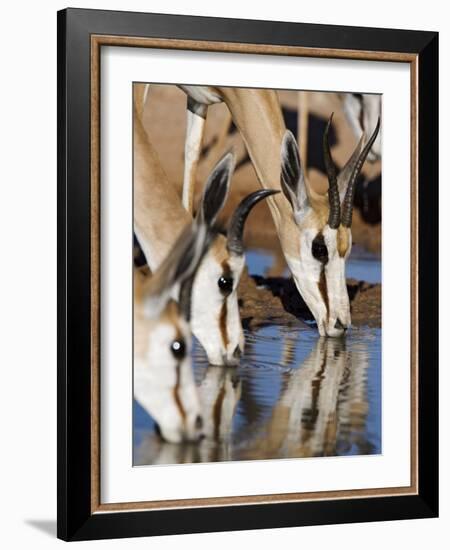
(292, 176)
(178, 269)
(216, 190)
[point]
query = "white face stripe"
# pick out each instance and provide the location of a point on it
(215, 319)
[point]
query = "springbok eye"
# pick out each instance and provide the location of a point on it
(319, 249)
(178, 349)
(225, 285)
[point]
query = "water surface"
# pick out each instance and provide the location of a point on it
(294, 394)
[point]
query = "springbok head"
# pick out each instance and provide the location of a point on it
(324, 233)
(362, 112)
(215, 313)
(163, 377)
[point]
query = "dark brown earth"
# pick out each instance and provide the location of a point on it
(266, 300)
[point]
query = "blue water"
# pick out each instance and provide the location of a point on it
(361, 265)
(293, 395)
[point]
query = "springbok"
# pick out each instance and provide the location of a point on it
(164, 382)
(315, 238)
(159, 217)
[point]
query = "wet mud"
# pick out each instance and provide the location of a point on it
(267, 300)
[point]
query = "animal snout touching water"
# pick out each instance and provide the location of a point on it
(164, 383)
(160, 217)
(323, 234)
(315, 239)
(215, 300)
(308, 397)
(257, 295)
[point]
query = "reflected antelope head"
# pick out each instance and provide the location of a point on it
(322, 407)
(324, 237)
(215, 312)
(220, 390)
(163, 377)
(362, 112)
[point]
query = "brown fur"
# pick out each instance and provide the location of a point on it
(176, 395)
(226, 272)
(257, 115)
(324, 290)
(219, 249)
(158, 213)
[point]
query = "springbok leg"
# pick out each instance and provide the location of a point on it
(303, 112)
(195, 127)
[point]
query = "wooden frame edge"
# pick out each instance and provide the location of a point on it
(414, 217)
(234, 47)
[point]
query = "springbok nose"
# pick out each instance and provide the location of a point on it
(338, 324)
(237, 352)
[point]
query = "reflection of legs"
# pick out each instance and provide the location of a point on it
(195, 127)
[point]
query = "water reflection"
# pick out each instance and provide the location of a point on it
(322, 405)
(294, 395)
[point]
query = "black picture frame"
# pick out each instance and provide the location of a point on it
(76, 521)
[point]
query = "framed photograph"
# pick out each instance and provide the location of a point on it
(247, 256)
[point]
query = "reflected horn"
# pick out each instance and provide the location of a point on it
(236, 228)
(347, 203)
(334, 217)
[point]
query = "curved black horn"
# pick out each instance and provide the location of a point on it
(237, 222)
(347, 203)
(334, 217)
